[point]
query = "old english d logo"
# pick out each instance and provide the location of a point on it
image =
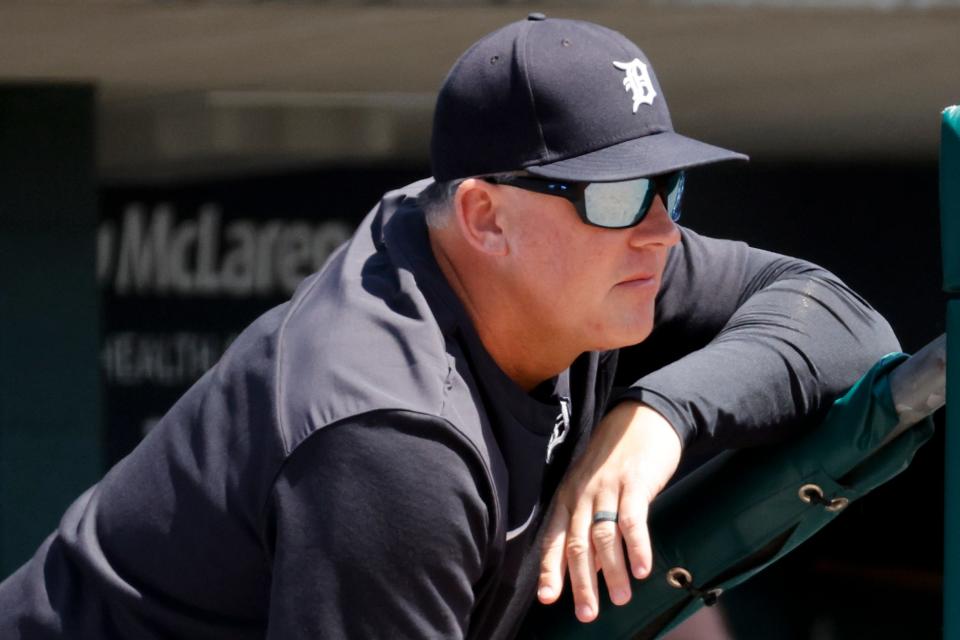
(637, 82)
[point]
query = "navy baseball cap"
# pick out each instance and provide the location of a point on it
(561, 99)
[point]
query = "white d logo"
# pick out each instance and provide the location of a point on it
(637, 82)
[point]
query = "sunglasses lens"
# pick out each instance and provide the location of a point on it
(623, 204)
(618, 204)
(674, 193)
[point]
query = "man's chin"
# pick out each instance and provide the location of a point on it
(624, 339)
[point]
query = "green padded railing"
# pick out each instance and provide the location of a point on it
(950, 242)
(746, 509)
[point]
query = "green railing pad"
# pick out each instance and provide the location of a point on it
(742, 511)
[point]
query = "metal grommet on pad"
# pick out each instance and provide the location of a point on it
(679, 578)
(838, 504)
(710, 597)
(811, 493)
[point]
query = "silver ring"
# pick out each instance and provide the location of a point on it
(604, 516)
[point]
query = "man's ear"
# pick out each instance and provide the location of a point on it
(477, 208)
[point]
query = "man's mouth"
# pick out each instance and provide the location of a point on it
(639, 280)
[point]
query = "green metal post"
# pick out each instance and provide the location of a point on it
(950, 238)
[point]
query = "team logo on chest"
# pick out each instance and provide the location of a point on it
(637, 82)
(561, 428)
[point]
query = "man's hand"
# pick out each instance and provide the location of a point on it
(631, 456)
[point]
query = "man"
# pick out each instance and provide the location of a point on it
(376, 457)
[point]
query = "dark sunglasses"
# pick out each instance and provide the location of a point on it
(612, 205)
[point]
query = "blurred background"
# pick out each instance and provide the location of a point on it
(169, 170)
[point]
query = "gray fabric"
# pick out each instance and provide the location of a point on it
(357, 466)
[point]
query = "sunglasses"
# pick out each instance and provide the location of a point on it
(611, 205)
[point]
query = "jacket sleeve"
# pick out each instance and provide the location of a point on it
(748, 343)
(379, 528)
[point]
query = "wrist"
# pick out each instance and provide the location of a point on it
(661, 445)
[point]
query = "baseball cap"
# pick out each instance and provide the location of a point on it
(562, 99)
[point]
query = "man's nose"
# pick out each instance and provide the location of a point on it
(657, 227)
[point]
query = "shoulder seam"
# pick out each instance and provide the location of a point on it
(278, 389)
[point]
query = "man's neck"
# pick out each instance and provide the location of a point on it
(518, 346)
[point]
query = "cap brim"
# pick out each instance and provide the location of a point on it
(647, 156)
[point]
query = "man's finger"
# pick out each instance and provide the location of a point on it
(633, 527)
(581, 565)
(608, 545)
(553, 560)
